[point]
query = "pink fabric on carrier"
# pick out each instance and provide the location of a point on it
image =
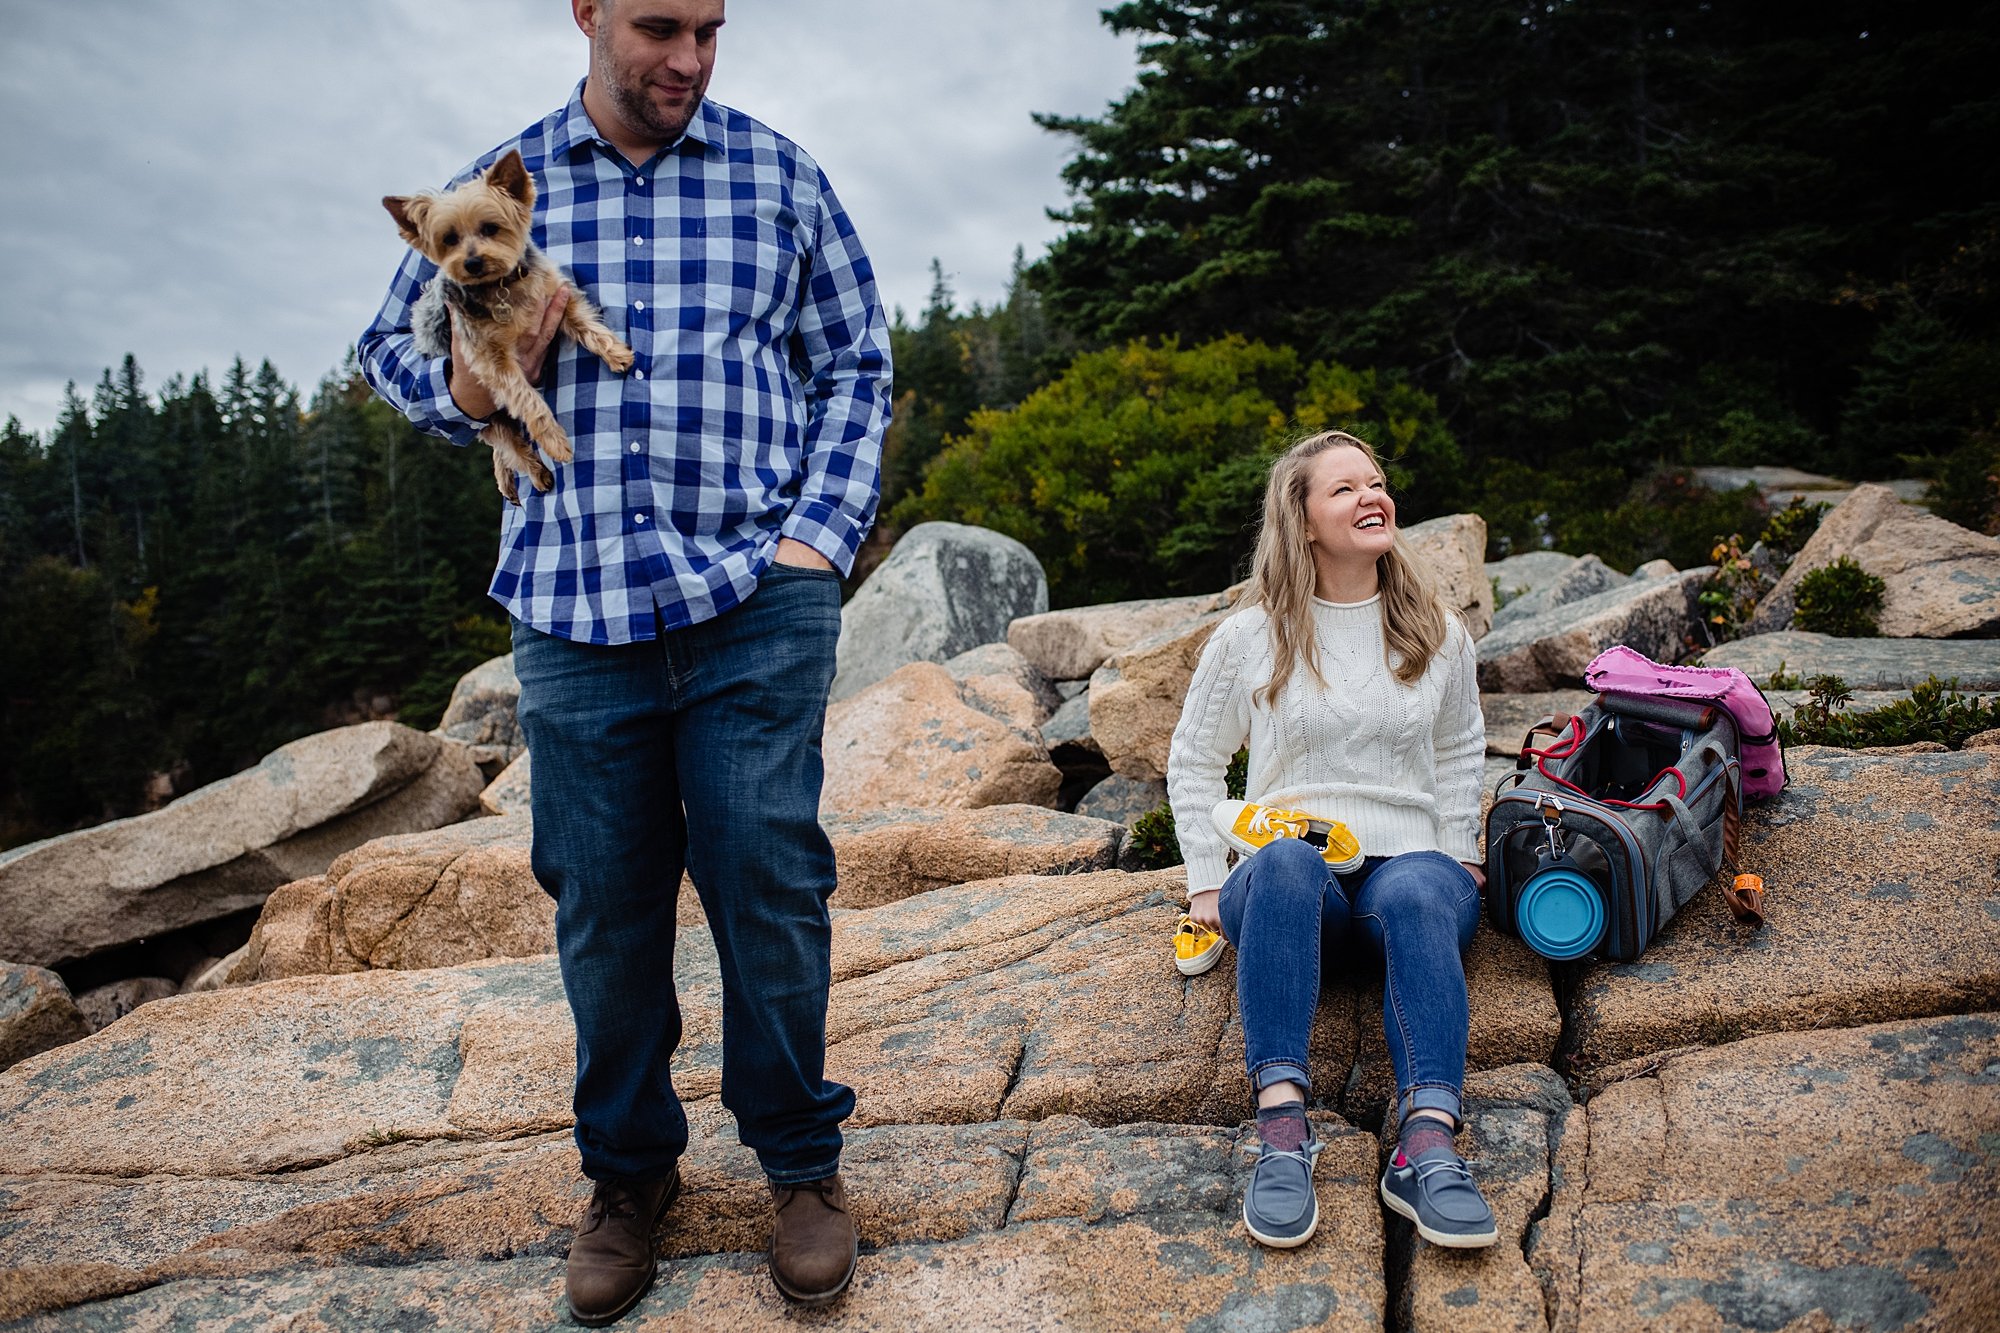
(1622, 670)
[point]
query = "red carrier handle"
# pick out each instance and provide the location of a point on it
(1567, 728)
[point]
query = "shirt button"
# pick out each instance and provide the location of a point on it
(638, 518)
(638, 305)
(638, 374)
(638, 180)
(638, 240)
(635, 446)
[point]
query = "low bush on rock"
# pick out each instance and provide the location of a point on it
(1793, 526)
(1841, 599)
(1733, 591)
(1742, 577)
(1155, 844)
(1783, 678)
(1935, 711)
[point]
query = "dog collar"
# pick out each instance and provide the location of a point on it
(487, 300)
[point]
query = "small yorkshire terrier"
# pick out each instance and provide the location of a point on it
(495, 282)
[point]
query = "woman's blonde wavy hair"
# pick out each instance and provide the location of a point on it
(1282, 578)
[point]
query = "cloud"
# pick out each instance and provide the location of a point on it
(202, 181)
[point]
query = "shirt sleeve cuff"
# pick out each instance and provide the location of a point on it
(450, 421)
(1206, 871)
(827, 530)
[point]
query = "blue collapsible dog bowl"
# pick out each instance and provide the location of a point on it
(1560, 913)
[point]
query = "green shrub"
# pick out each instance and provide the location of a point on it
(1829, 694)
(1841, 598)
(1935, 711)
(1140, 469)
(1792, 527)
(1781, 679)
(1965, 486)
(1580, 504)
(1155, 844)
(1732, 591)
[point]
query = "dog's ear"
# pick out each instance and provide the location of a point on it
(408, 210)
(509, 174)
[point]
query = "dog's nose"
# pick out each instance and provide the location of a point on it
(475, 266)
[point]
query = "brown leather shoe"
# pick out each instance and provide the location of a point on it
(611, 1259)
(813, 1245)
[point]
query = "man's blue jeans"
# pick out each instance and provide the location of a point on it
(1285, 911)
(699, 749)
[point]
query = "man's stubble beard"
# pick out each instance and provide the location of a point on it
(637, 110)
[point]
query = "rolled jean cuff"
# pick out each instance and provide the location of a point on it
(1429, 1097)
(787, 1179)
(1279, 1071)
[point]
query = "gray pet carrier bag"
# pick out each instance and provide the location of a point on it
(1600, 835)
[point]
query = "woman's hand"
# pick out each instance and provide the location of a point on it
(1203, 908)
(1478, 873)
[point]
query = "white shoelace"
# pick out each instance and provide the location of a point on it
(1454, 1165)
(1264, 822)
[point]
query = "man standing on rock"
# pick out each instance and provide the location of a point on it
(675, 607)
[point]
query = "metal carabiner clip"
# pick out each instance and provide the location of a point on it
(1551, 811)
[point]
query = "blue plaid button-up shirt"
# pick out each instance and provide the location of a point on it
(756, 406)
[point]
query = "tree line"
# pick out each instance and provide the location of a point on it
(1605, 240)
(1548, 256)
(199, 575)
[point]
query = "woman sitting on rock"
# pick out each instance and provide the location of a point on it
(1356, 692)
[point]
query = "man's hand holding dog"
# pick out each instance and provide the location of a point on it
(472, 397)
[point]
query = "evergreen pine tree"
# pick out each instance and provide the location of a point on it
(1612, 229)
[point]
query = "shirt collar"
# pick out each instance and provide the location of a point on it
(574, 128)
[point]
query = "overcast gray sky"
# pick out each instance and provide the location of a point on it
(190, 180)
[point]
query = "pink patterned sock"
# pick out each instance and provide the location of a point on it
(1283, 1126)
(1421, 1133)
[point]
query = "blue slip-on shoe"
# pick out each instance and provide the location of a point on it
(1435, 1190)
(1280, 1208)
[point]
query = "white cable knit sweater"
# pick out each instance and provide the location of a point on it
(1398, 764)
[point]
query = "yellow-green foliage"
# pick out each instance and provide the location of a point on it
(1140, 470)
(1792, 527)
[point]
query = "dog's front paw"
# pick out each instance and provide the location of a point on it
(618, 356)
(557, 445)
(540, 475)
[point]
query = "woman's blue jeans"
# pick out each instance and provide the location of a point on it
(1285, 911)
(699, 750)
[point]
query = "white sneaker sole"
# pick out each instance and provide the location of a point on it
(1476, 1240)
(1312, 1225)
(1279, 1242)
(1201, 962)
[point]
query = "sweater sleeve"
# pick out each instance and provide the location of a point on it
(1458, 737)
(1215, 720)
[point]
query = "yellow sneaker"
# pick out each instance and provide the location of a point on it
(1196, 947)
(1248, 827)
